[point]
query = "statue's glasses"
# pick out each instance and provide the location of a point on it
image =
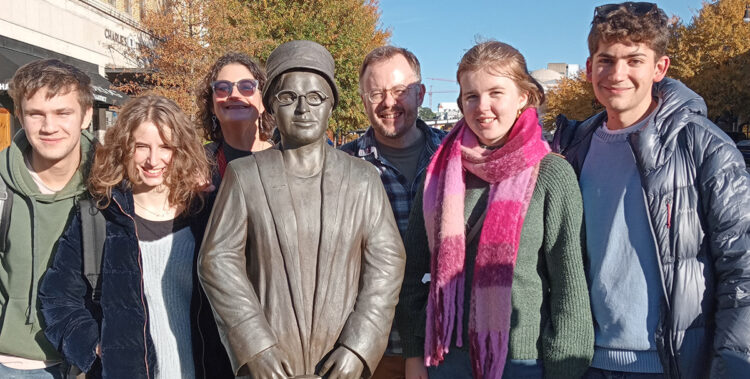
(398, 93)
(223, 88)
(313, 98)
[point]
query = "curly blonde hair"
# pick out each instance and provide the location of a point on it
(188, 168)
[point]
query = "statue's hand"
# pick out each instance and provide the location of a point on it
(342, 364)
(271, 363)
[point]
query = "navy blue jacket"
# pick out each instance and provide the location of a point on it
(74, 324)
(697, 193)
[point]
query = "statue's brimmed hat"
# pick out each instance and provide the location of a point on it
(296, 55)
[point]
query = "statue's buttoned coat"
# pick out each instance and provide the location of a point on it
(250, 264)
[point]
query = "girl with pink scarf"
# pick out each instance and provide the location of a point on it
(494, 284)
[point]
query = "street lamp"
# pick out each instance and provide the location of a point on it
(747, 13)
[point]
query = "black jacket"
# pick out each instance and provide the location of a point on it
(75, 325)
(697, 193)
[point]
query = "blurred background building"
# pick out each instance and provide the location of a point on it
(97, 36)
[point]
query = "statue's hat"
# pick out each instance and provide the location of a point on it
(299, 56)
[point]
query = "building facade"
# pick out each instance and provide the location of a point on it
(97, 36)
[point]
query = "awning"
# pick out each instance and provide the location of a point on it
(11, 60)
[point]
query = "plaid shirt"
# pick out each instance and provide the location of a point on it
(400, 192)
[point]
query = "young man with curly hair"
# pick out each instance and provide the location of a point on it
(666, 198)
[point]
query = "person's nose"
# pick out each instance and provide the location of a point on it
(388, 99)
(484, 103)
(46, 126)
(618, 71)
(302, 106)
(152, 157)
(235, 91)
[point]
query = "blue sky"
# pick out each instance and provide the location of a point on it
(439, 31)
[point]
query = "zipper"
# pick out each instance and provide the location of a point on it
(650, 225)
(669, 213)
(143, 302)
(198, 325)
(667, 329)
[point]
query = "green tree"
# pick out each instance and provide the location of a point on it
(711, 56)
(573, 97)
(191, 34)
(426, 113)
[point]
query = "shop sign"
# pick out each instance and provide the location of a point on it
(127, 41)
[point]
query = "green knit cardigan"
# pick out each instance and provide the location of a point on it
(551, 317)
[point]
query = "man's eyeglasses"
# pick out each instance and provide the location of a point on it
(636, 8)
(398, 93)
(223, 88)
(313, 98)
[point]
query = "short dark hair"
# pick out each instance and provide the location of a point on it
(384, 53)
(59, 78)
(204, 98)
(630, 22)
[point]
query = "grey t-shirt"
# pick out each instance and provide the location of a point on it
(405, 160)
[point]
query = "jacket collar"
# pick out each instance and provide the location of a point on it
(653, 144)
(122, 199)
(367, 145)
(14, 172)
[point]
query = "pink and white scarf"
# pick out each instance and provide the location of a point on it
(511, 172)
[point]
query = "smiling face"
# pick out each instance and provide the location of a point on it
(490, 104)
(237, 109)
(392, 117)
(53, 127)
(622, 75)
(300, 123)
(151, 157)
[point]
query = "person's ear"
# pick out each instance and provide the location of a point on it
(420, 95)
(661, 65)
(523, 100)
(588, 69)
(87, 118)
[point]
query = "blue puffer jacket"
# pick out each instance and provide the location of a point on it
(698, 197)
(75, 324)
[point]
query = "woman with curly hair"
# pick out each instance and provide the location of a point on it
(152, 319)
(231, 112)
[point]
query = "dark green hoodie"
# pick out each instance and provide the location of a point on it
(37, 221)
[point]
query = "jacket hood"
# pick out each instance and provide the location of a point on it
(678, 105)
(14, 172)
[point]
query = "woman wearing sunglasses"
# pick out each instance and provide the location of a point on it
(152, 319)
(231, 111)
(498, 229)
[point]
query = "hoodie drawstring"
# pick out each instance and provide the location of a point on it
(31, 310)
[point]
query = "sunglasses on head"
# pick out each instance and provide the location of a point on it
(636, 8)
(223, 88)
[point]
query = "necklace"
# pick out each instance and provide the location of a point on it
(487, 147)
(160, 215)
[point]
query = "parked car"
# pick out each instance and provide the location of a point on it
(737, 136)
(744, 148)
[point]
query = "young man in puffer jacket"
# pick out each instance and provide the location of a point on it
(45, 170)
(666, 202)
